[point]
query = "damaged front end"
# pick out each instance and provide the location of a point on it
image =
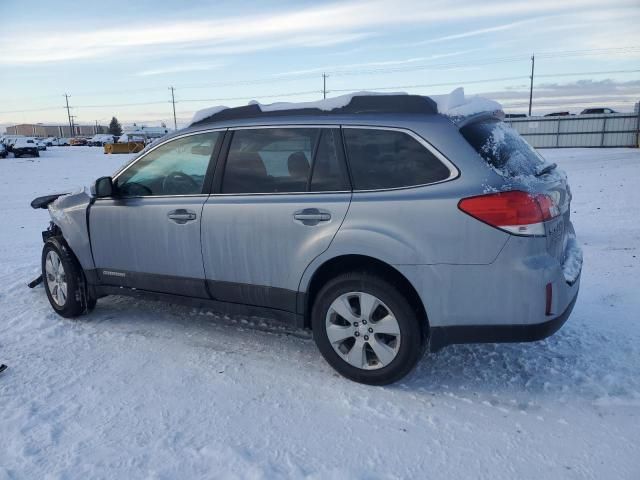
(69, 221)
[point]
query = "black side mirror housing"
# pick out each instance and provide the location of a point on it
(104, 187)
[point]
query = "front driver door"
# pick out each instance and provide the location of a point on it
(148, 235)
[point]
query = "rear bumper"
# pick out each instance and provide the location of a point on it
(449, 335)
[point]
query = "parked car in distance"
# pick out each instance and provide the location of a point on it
(77, 141)
(9, 140)
(25, 146)
(49, 141)
(601, 111)
(41, 145)
(558, 114)
(62, 142)
(386, 233)
(3, 151)
(100, 139)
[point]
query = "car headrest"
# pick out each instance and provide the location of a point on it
(249, 162)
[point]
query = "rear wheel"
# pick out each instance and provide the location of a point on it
(366, 329)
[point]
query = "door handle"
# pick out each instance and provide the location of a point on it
(312, 216)
(181, 216)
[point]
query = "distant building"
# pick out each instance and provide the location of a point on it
(43, 130)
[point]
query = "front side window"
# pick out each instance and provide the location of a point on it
(282, 160)
(381, 159)
(176, 168)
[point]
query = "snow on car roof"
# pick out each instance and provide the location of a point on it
(453, 104)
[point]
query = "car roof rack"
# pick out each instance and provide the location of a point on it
(358, 104)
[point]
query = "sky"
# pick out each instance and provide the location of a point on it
(120, 57)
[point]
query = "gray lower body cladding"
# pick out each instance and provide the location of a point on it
(440, 337)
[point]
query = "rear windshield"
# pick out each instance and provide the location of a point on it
(502, 148)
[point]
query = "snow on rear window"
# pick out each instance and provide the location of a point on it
(503, 148)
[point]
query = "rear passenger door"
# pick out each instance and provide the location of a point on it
(277, 204)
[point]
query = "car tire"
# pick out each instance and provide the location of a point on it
(376, 347)
(37, 154)
(63, 280)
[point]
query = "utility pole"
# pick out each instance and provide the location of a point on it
(96, 132)
(173, 102)
(324, 85)
(73, 125)
(66, 97)
(533, 63)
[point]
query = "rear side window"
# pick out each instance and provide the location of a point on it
(502, 148)
(389, 159)
(283, 160)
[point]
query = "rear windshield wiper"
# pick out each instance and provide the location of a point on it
(546, 169)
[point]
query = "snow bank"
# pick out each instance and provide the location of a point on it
(454, 104)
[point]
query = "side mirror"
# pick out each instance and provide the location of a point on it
(104, 187)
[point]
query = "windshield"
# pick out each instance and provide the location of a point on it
(503, 148)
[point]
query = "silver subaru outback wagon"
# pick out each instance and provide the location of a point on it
(382, 225)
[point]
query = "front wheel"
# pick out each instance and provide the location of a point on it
(366, 329)
(63, 280)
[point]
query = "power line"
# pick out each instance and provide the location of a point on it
(571, 74)
(565, 102)
(111, 105)
(424, 85)
(287, 77)
(484, 80)
(228, 99)
(336, 90)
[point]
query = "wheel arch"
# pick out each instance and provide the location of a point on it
(355, 262)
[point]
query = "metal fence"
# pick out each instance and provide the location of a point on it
(612, 130)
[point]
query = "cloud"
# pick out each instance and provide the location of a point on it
(573, 96)
(312, 26)
(337, 69)
(481, 31)
(178, 68)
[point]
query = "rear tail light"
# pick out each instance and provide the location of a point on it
(515, 212)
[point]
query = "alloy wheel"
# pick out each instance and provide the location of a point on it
(56, 278)
(363, 330)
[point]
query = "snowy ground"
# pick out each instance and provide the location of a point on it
(145, 390)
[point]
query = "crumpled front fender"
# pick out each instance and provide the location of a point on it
(69, 213)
